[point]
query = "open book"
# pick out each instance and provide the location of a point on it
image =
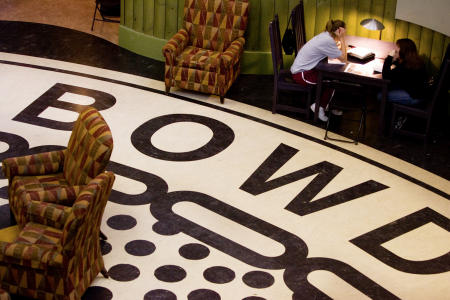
(361, 53)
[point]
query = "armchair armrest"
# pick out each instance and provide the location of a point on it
(35, 164)
(232, 54)
(34, 256)
(176, 44)
(50, 214)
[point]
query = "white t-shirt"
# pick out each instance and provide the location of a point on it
(316, 49)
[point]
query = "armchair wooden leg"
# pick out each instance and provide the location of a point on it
(103, 236)
(12, 219)
(104, 273)
(222, 99)
(167, 90)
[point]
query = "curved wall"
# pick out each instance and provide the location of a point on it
(146, 25)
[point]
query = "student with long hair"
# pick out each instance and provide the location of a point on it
(330, 43)
(406, 71)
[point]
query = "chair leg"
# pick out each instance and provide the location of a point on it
(104, 272)
(95, 13)
(103, 236)
(167, 90)
(222, 99)
(326, 128)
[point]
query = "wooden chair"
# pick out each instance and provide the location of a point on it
(424, 112)
(106, 8)
(283, 81)
(298, 24)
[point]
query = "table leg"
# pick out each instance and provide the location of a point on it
(318, 95)
(381, 125)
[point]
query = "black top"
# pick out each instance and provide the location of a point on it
(401, 77)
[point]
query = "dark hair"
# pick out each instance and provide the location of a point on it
(408, 54)
(333, 25)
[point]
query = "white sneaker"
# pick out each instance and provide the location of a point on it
(336, 112)
(322, 115)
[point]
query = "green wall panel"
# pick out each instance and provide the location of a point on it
(138, 15)
(149, 13)
(147, 24)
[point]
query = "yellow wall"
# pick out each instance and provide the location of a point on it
(147, 24)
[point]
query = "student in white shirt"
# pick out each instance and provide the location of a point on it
(330, 43)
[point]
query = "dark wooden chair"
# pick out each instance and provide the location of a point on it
(107, 9)
(298, 24)
(425, 110)
(351, 99)
(283, 81)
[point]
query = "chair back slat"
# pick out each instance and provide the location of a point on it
(298, 24)
(275, 45)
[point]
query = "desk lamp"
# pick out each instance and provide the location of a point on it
(372, 24)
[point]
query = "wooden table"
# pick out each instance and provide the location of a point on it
(338, 72)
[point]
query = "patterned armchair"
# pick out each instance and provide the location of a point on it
(205, 54)
(58, 176)
(57, 254)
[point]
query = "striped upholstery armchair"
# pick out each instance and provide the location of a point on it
(58, 176)
(205, 54)
(57, 254)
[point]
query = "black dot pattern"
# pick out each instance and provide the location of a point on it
(165, 228)
(140, 248)
(194, 251)
(203, 294)
(97, 293)
(160, 295)
(258, 279)
(219, 274)
(121, 222)
(124, 272)
(105, 247)
(170, 273)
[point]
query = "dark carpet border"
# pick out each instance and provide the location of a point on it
(255, 119)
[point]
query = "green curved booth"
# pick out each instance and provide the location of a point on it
(146, 25)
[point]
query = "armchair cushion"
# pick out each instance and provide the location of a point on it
(199, 59)
(38, 234)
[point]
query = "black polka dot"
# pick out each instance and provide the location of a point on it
(124, 272)
(140, 247)
(121, 222)
(160, 295)
(105, 247)
(219, 274)
(165, 228)
(253, 298)
(258, 279)
(194, 251)
(97, 293)
(170, 273)
(203, 294)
